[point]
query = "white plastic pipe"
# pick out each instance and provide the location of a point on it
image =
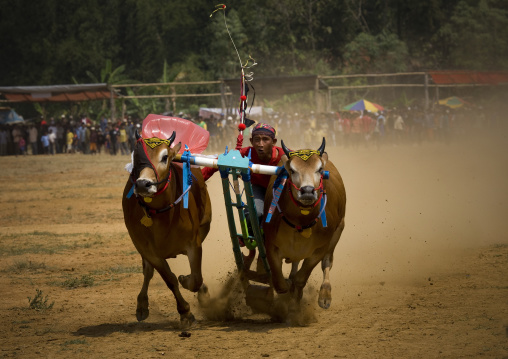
(212, 163)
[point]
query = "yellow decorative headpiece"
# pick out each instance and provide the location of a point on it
(304, 154)
(154, 142)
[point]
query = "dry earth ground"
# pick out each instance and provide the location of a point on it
(421, 270)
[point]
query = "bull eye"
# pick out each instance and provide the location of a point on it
(164, 159)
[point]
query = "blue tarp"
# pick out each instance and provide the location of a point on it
(9, 116)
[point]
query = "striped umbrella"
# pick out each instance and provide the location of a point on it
(453, 102)
(363, 105)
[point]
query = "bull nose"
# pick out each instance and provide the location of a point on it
(143, 183)
(306, 190)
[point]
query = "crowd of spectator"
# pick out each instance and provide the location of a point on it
(355, 129)
(67, 135)
(347, 129)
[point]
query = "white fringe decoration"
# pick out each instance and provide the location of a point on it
(129, 166)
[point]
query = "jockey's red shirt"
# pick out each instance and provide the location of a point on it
(256, 178)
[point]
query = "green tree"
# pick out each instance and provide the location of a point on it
(371, 54)
(477, 36)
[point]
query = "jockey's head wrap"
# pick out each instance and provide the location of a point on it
(263, 129)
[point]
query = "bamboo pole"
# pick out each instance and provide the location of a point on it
(168, 83)
(177, 95)
(373, 86)
(371, 75)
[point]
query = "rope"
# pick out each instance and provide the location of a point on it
(245, 77)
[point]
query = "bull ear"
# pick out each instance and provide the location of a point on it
(324, 159)
(176, 148)
(172, 138)
(321, 149)
(138, 136)
(284, 148)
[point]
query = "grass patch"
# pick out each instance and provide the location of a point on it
(48, 246)
(84, 281)
(122, 269)
(47, 330)
(116, 273)
(26, 266)
(75, 341)
(36, 249)
(30, 249)
(39, 302)
(75, 345)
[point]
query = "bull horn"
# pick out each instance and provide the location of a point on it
(138, 136)
(172, 138)
(321, 149)
(284, 148)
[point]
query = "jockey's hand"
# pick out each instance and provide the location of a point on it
(239, 141)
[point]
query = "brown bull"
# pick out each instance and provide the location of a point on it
(159, 226)
(296, 232)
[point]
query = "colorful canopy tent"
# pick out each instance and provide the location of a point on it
(187, 132)
(57, 93)
(469, 77)
(8, 115)
(363, 105)
(452, 102)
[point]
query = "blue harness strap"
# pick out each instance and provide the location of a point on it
(322, 212)
(186, 176)
(278, 186)
(131, 192)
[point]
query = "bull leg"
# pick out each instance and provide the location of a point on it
(294, 269)
(142, 311)
(194, 280)
(325, 292)
(280, 284)
(183, 308)
(301, 277)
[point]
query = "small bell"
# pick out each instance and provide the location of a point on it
(146, 221)
(306, 232)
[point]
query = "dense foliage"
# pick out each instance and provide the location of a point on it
(57, 42)
(52, 41)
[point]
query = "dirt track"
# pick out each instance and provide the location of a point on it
(420, 271)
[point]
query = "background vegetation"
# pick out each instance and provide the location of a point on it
(117, 41)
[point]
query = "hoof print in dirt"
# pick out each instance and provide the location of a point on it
(184, 335)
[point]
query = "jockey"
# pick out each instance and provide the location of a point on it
(263, 152)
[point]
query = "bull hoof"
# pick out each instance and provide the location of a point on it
(284, 287)
(142, 314)
(189, 283)
(186, 320)
(325, 296)
(142, 307)
(203, 296)
(184, 280)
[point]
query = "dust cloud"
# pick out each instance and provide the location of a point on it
(412, 211)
